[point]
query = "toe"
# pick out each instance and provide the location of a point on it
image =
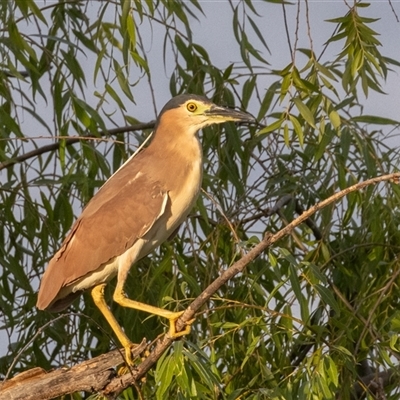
(172, 327)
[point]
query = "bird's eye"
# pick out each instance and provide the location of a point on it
(192, 107)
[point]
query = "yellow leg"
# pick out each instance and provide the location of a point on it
(98, 298)
(121, 299)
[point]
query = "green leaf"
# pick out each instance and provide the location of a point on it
(374, 119)
(304, 112)
(131, 29)
(298, 129)
(335, 119)
(327, 297)
(267, 100)
(248, 89)
(164, 373)
(273, 127)
(286, 136)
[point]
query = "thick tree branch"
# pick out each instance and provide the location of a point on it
(55, 146)
(90, 376)
(116, 385)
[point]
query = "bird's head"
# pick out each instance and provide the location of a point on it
(190, 113)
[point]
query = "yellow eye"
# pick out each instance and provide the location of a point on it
(192, 107)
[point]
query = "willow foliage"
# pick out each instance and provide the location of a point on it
(312, 318)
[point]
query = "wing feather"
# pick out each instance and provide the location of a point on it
(123, 210)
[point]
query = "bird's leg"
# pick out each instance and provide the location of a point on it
(121, 299)
(98, 298)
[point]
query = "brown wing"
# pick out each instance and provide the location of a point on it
(109, 225)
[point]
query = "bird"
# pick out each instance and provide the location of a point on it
(138, 208)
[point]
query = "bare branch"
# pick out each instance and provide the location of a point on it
(54, 146)
(393, 11)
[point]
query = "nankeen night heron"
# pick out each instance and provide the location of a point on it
(135, 211)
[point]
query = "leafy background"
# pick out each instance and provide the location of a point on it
(310, 318)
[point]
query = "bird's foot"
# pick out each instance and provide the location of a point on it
(173, 317)
(129, 353)
(130, 357)
(133, 353)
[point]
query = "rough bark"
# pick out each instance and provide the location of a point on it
(90, 376)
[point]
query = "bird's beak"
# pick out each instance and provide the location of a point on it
(222, 114)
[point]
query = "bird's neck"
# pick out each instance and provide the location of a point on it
(181, 166)
(177, 153)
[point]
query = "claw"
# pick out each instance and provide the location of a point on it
(129, 359)
(128, 354)
(172, 328)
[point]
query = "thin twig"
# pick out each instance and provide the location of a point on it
(309, 29)
(55, 146)
(287, 30)
(393, 11)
